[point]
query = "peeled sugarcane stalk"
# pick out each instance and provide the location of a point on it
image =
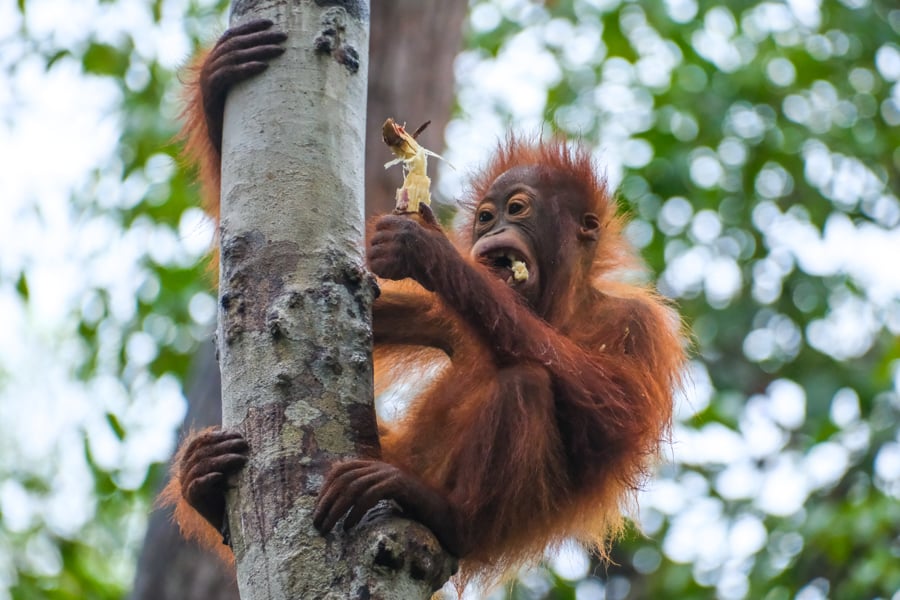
(416, 187)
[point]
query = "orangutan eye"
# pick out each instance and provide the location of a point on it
(515, 207)
(484, 216)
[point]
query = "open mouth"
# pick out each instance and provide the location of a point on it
(505, 261)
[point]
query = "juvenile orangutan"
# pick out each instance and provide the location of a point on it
(560, 379)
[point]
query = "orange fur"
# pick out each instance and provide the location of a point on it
(198, 147)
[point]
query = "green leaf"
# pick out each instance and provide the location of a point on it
(54, 58)
(103, 59)
(22, 286)
(116, 425)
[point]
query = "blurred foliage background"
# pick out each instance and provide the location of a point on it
(756, 146)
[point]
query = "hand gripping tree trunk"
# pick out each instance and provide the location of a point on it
(294, 335)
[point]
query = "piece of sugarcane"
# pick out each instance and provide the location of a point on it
(416, 187)
(519, 270)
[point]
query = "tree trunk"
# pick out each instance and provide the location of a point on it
(294, 332)
(403, 85)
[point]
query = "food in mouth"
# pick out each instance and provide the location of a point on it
(520, 270)
(506, 259)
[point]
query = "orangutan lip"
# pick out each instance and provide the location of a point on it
(507, 259)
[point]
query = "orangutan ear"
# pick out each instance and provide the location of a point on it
(589, 230)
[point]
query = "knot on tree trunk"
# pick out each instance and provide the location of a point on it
(404, 555)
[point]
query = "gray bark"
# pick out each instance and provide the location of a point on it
(294, 333)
